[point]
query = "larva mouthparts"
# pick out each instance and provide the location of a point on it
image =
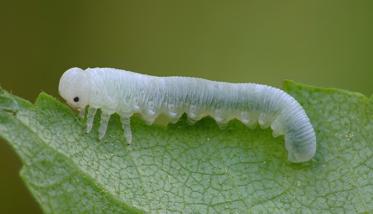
(124, 92)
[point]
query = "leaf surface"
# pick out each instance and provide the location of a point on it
(199, 168)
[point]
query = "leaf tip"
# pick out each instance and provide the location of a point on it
(45, 100)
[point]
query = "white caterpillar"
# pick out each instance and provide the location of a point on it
(126, 93)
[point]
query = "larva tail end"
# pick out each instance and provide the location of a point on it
(296, 158)
(300, 152)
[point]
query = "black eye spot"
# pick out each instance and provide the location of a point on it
(76, 99)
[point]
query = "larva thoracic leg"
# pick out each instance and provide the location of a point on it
(126, 125)
(105, 117)
(82, 113)
(90, 117)
(127, 93)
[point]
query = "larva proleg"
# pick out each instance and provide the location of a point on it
(123, 92)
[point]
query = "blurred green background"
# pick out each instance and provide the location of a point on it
(319, 42)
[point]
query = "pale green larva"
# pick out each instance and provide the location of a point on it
(123, 92)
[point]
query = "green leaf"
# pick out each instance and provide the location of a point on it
(199, 168)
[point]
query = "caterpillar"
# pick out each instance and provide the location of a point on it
(125, 93)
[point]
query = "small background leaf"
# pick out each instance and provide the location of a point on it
(199, 168)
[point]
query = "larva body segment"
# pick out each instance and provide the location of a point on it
(126, 93)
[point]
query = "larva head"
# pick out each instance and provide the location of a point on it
(74, 88)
